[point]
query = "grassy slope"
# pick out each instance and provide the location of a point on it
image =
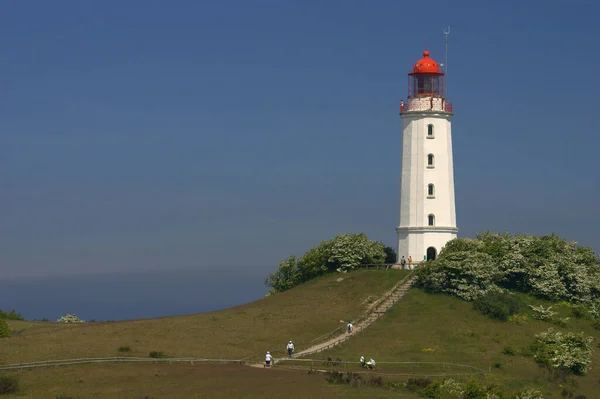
(459, 334)
(135, 381)
(300, 314)
(449, 326)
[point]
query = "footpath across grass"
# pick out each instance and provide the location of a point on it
(300, 314)
(426, 327)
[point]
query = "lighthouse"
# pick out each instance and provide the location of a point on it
(427, 208)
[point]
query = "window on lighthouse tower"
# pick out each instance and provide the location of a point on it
(430, 131)
(431, 220)
(430, 191)
(430, 161)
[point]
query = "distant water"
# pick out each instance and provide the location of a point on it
(132, 295)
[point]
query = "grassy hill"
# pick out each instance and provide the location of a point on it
(422, 327)
(427, 327)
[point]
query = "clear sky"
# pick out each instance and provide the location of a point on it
(154, 135)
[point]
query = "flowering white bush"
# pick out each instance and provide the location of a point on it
(350, 250)
(341, 253)
(564, 351)
(541, 313)
(529, 393)
(70, 318)
(450, 389)
(546, 266)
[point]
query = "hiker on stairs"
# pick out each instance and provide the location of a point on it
(350, 327)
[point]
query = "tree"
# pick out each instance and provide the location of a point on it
(286, 276)
(341, 253)
(390, 255)
(4, 333)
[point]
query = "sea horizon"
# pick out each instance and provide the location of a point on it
(132, 295)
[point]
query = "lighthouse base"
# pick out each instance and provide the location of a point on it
(423, 243)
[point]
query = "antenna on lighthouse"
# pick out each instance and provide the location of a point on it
(446, 32)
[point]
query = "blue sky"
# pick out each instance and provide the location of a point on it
(154, 135)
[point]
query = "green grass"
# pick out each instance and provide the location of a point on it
(422, 327)
(300, 314)
(426, 327)
(137, 381)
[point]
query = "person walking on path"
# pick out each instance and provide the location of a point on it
(362, 362)
(410, 262)
(350, 327)
(403, 263)
(268, 359)
(290, 349)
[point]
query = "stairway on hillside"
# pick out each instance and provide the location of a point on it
(386, 303)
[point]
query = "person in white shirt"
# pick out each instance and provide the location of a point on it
(268, 359)
(350, 327)
(362, 361)
(371, 363)
(290, 349)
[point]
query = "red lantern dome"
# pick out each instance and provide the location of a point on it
(426, 66)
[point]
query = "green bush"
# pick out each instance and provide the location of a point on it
(12, 315)
(510, 351)
(497, 305)
(341, 253)
(4, 333)
(581, 312)
(157, 355)
(8, 384)
(570, 352)
(548, 267)
(418, 383)
(124, 349)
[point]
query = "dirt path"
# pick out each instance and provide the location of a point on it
(392, 297)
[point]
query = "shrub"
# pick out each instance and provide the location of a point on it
(375, 381)
(529, 393)
(541, 313)
(474, 391)
(157, 355)
(417, 383)
(581, 312)
(511, 351)
(12, 315)
(450, 389)
(334, 377)
(70, 318)
(4, 332)
(547, 266)
(558, 351)
(341, 253)
(123, 349)
(497, 305)
(8, 384)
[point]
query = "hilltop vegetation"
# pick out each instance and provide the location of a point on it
(547, 267)
(341, 253)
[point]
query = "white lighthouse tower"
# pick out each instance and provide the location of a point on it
(427, 210)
